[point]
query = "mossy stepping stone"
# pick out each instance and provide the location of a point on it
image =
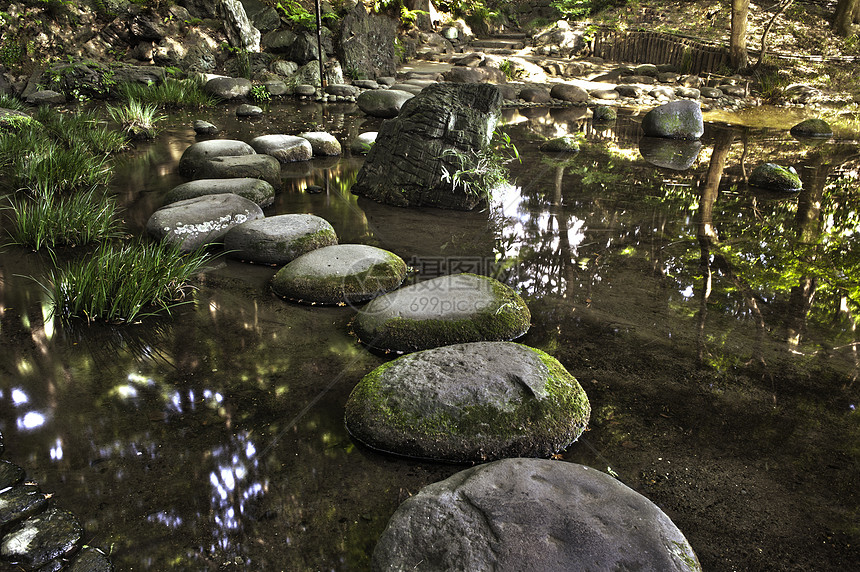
(253, 189)
(278, 239)
(773, 177)
(343, 273)
(452, 309)
(531, 514)
(196, 222)
(469, 403)
(199, 153)
(253, 166)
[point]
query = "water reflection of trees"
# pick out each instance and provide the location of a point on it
(783, 266)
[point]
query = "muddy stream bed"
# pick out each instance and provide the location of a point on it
(722, 374)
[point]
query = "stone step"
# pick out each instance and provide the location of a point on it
(493, 43)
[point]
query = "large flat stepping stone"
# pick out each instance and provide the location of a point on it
(19, 502)
(279, 239)
(339, 274)
(323, 144)
(199, 153)
(531, 514)
(446, 310)
(245, 166)
(469, 403)
(385, 103)
(284, 148)
(41, 538)
(256, 190)
(196, 222)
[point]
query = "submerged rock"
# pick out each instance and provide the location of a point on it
(773, 177)
(675, 120)
(199, 153)
(42, 538)
(469, 403)
(196, 222)
(278, 239)
(257, 190)
(245, 166)
(446, 310)
(345, 273)
(531, 514)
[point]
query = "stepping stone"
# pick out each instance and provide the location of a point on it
(366, 84)
(284, 148)
(42, 538)
(812, 127)
(90, 560)
(339, 274)
(228, 87)
(362, 144)
(305, 90)
(535, 95)
(711, 92)
(10, 474)
(256, 190)
(278, 239)
(322, 143)
(675, 120)
(341, 90)
(605, 94)
(245, 166)
(773, 177)
(248, 110)
(383, 103)
(196, 222)
(531, 514)
(204, 127)
(469, 403)
(569, 92)
(199, 153)
(20, 502)
(451, 309)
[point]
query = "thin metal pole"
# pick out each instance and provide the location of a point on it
(319, 44)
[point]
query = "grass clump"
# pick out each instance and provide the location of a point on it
(46, 219)
(481, 172)
(123, 283)
(172, 93)
(137, 119)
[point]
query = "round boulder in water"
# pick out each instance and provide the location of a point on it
(773, 177)
(452, 309)
(344, 273)
(362, 144)
(675, 120)
(278, 239)
(385, 103)
(531, 514)
(196, 222)
(42, 538)
(256, 190)
(322, 143)
(812, 128)
(469, 403)
(199, 153)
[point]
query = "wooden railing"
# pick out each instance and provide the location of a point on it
(686, 54)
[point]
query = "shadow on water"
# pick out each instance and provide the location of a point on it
(712, 326)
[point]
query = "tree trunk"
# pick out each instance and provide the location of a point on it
(847, 13)
(738, 41)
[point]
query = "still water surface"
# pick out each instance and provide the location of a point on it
(712, 326)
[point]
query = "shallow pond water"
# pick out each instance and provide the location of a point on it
(712, 326)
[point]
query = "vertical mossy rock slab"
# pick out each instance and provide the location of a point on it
(675, 120)
(256, 190)
(405, 166)
(42, 538)
(472, 402)
(531, 514)
(340, 274)
(368, 42)
(278, 239)
(453, 309)
(773, 177)
(199, 153)
(812, 128)
(194, 223)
